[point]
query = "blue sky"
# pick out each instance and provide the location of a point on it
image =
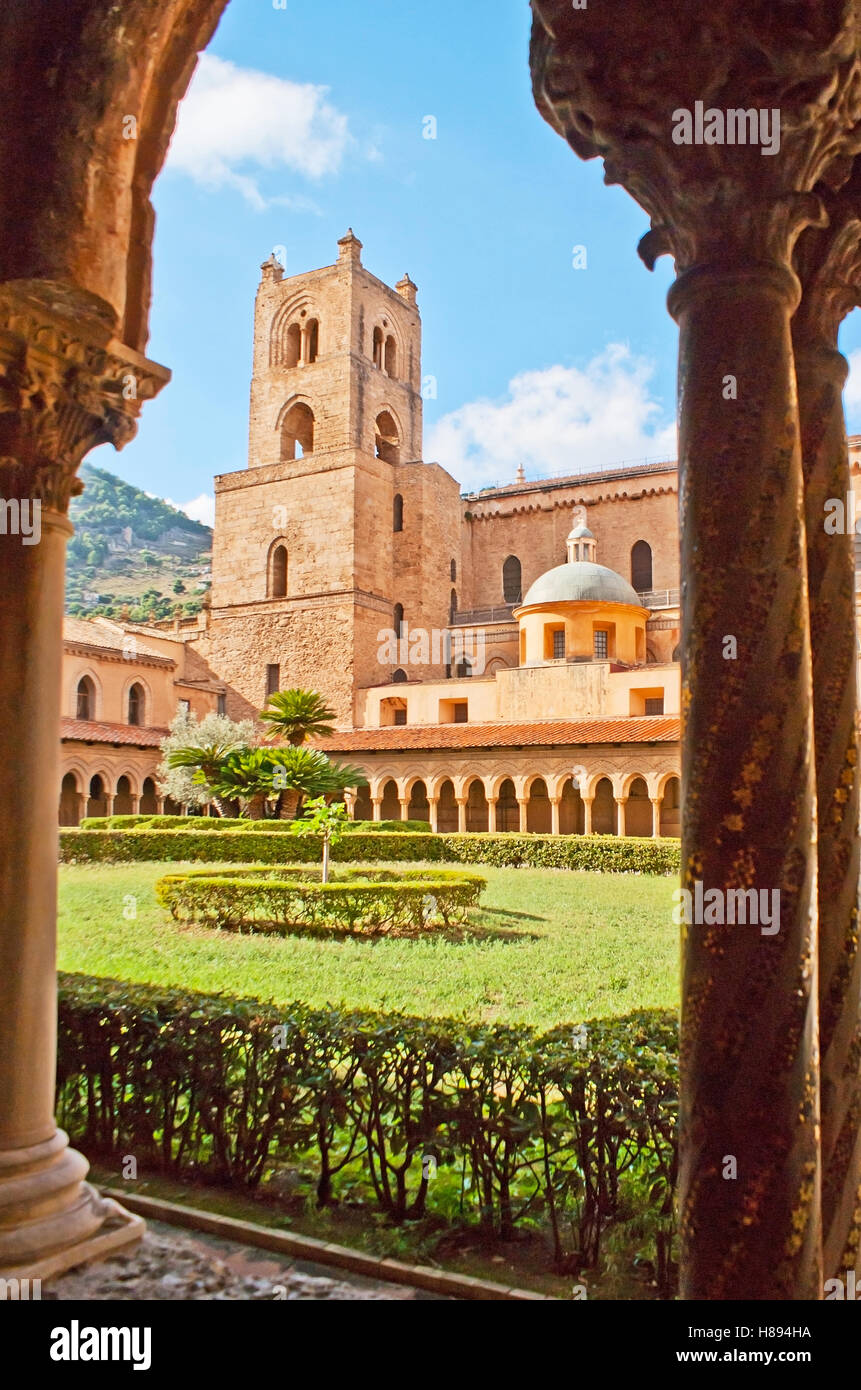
(305, 120)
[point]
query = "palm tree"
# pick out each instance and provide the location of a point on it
(298, 714)
(254, 776)
(205, 761)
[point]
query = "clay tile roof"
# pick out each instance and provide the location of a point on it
(91, 731)
(653, 728)
(86, 632)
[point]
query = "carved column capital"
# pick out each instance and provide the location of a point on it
(828, 263)
(616, 83)
(66, 385)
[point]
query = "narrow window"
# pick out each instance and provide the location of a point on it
(600, 644)
(136, 704)
(273, 679)
(641, 567)
(377, 350)
(400, 716)
(294, 346)
(221, 704)
(452, 605)
(558, 645)
(399, 619)
(312, 338)
(278, 577)
(461, 712)
(387, 444)
(297, 432)
(655, 706)
(398, 513)
(86, 701)
(511, 580)
(391, 356)
(453, 571)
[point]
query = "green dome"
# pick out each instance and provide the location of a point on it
(581, 582)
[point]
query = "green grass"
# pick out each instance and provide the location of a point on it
(546, 946)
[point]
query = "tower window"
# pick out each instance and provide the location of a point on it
(453, 571)
(398, 513)
(136, 704)
(511, 580)
(452, 605)
(293, 346)
(377, 348)
(297, 432)
(641, 567)
(399, 619)
(312, 338)
(273, 679)
(600, 644)
(558, 645)
(386, 438)
(278, 573)
(85, 707)
(221, 704)
(391, 356)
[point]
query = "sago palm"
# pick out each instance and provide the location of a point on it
(205, 760)
(298, 714)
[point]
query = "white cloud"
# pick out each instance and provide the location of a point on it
(200, 508)
(236, 121)
(560, 419)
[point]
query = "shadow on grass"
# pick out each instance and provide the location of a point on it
(456, 933)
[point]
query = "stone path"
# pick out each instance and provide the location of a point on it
(182, 1265)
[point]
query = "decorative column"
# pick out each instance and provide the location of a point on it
(109, 803)
(587, 814)
(554, 815)
(730, 213)
(376, 805)
(404, 803)
(491, 815)
(656, 816)
(159, 805)
(136, 803)
(350, 802)
(621, 803)
(829, 264)
(65, 386)
(523, 808)
(433, 805)
(461, 815)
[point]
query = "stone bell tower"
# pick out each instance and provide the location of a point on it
(304, 547)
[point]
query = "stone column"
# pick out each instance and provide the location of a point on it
(829, 263)
(62, 379)
(656, 816)
(523, 808)
(376, 805)
(159, 805)
(136, 803)
(621, 803)
(433, 804)
(350, 802)
(587, 814)
(109, 803)
(404, 803)
(461, 815)
(554, 815)
(730, 215)
(491, 815)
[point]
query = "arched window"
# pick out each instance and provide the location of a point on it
(641, 566)
(391, 356)
(453, 571)
(399, 619)
(297, 432)
(278, 572)
(511, 580)
(312, 338)
(149, 797)
(386, 438)
(293, 346)
(136, 704)
(398, 513)
(398, 677)
(377, 349)
(86, 700)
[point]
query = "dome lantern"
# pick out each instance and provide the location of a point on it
(581, 545)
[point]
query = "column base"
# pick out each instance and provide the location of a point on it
(50, 1219)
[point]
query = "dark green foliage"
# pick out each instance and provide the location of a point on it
(243, 841)
(553, 1129)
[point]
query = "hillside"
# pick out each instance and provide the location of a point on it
(133, 555)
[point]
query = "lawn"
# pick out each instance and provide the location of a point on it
(546, 946)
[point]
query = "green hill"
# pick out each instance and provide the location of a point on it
(133, 555)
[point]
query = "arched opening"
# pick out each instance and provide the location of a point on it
(511, 580)
(377, 348)
(496, 663)
(70, 800)
(391, 356)
(278, 572)
(671, 808)
(641, 566)
(97, 801)
(136, 704)
(398, 513)
(538, 812)
(604, 809)
(312, 338)
(638, 811)
(571, 810)
(446, 811)
(507, 809)
(398, 677)
(149, 797)
(452, 605)
(123, 805)
(297, 432)
(363, 810)
(386, 441)
(390, 809)
(398, 619)
(419, 809)
(476, 807)
(293, 346)
(85, 705)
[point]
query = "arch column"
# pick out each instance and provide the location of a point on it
(350, 802)
(109, 802)
(159, 805)
(376, 804)
(461, 815)
(491, 815)
(523, 808)
(656, 816)
(554, 815)
(621, 803)
(587, 814)
(730, 217)
(136, 803)
(404, 803)
(433, 807)
(61, 384)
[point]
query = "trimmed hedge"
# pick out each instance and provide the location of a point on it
(604, 853)
(573, 1129)
(236, 823)
(277, 900)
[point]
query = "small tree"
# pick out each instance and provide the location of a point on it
(329, 821)
(297, 715)
(197, 745)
